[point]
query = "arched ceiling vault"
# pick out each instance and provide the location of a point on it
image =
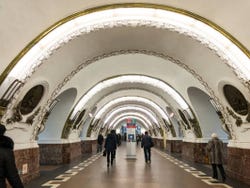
(145, 121)
(124, 119)
(109, 116)
(112, 116)
(158, 41)
(130, 100)
(122, 94)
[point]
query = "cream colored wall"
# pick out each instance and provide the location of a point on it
(23, 20)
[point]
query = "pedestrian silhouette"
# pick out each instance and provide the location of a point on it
(215, 151)
(100, 140)
(110, 147)
(8, 169)
(146, 144)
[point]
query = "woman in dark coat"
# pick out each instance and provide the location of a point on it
(7, 162)
(215, 151)
(110, 147)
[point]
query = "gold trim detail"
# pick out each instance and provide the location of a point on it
(122, 5)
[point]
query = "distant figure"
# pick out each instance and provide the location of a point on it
(125, 137)
(147, 143)
(8, 167)
(215, 150)
(100, 140)
(119, 139)
(138, 139)
(116, 141)
(110, 147)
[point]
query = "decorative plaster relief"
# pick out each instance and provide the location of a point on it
(196, 75)
(129, 22)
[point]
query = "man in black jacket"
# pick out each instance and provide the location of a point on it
(7, 162)
(147, 143)
(110, 147)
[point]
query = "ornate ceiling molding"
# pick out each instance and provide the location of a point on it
(124, 23)
(184, 66)
(122, 52)
(130, 22)
(110, 7)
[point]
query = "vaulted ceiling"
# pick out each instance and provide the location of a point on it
(154, 63)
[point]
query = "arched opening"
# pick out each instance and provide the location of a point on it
(56, 119)
(207, 116)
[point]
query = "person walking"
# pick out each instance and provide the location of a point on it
(138, 139)
(100, 140)
(110, 147)
(146, 144)
(215, 151)
(8, 169)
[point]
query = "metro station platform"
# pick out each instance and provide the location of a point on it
(165, 170)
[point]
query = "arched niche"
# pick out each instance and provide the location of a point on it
(56, 119)
(208, 119)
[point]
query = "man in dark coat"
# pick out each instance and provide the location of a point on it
(7, 162)
(147, 143)
(215, 151)
(100, 140)
(110, 147)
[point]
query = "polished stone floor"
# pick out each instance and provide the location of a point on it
(92, 172)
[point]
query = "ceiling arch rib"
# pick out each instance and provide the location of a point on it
(128, 99)
(214, 48)
(146, 119)
(154, 115)
(121, 120)
(79, 24)
(121, 81)
(111, 96)
(121, 109)
(146, 122)
(158, 97)
(132, 79)
(145, 81)
(144, 93)
(155, 124)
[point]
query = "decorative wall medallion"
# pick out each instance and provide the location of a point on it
(238, 121)
(16, 116)
(236, 99)
(31, 99)
(170, 127)
(79, 118)
(248, 115)
(196, 127)
(30, 119)
(193, 122)
(72, 123)
(183, 117)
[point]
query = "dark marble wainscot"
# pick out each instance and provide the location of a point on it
(196, 152)
(238, 164)
(52, 154)
(174, 146)
(88, 146)
(27, 162)
(158, 143)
